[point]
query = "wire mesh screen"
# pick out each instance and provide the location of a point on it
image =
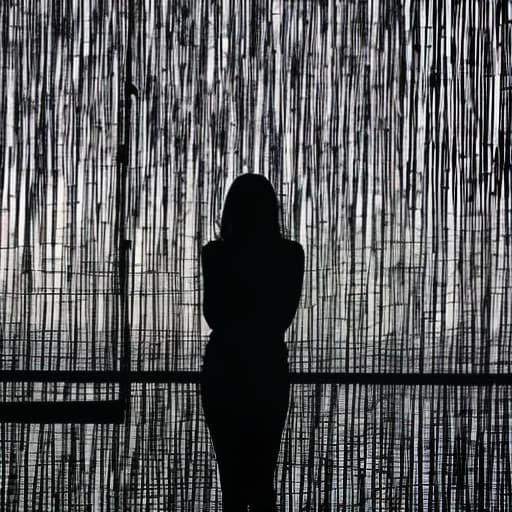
(385, 128)
(343, 448)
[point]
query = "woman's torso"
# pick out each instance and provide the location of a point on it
(253, 290)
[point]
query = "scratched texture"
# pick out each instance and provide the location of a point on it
(385, 128)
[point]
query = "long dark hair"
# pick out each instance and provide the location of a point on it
(251, 210)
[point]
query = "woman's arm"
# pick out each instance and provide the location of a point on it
(293, 279)
(214, 298)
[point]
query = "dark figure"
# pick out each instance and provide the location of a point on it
(252, 285)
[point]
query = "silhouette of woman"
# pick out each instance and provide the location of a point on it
(252, 284)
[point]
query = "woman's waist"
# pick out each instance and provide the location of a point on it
(257, 349)
(253, 340)
(246, 331)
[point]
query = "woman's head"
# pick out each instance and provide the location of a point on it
(251, 210)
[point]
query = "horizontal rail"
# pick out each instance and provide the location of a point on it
(165, 376)
(104, 411)
(113, 411)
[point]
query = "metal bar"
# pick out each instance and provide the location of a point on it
(104, 411)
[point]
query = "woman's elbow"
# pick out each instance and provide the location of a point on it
(210, 319)
(212, 316)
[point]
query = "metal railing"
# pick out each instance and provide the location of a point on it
(114, 411)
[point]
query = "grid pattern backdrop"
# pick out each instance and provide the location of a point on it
(385, 128)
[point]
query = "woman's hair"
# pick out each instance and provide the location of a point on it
(251, 210)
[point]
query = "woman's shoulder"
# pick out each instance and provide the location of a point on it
(292, 252)
(212, 248)
(292, 246)
(213, 244)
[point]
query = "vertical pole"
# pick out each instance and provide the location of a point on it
(124, 243)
